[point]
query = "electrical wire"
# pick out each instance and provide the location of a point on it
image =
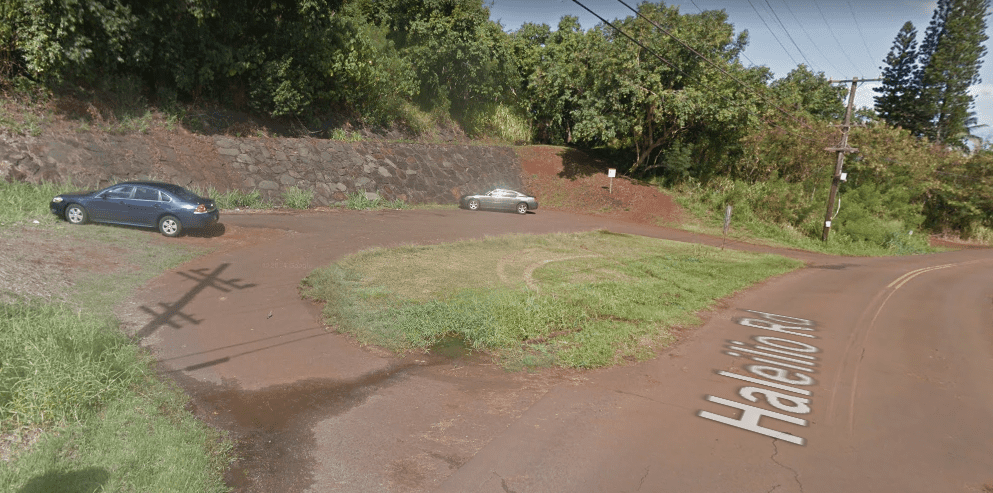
(807, 34)
(843, 52)
(702, 57)
(781, 45)
(742, 53)
(861, 34)
(783, 26)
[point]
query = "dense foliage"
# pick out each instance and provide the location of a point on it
(926, 90)
(661, 92)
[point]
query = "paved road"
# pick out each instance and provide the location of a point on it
(851, 375)
(888, 386)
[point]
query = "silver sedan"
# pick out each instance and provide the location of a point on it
(500, 199)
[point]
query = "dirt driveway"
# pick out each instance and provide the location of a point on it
(315, 412)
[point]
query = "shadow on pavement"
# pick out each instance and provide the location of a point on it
(171, 312)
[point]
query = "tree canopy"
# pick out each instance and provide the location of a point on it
(662, 91)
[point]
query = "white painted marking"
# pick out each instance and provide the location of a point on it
(766, 383)
(774, 327)
(750, 420)
(782, 318)
(780, 375)
(800, 405)
(760, 353)
(784, 365)
(806, 348)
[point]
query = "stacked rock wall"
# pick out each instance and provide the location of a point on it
(333, 170)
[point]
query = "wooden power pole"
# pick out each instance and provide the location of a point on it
(842, 149)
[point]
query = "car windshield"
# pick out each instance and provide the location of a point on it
(181, 192)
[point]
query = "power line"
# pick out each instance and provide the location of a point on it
(788, 34)
(843, 52)
(781, 45)
(635, 41)
(861, 34)
(742, 53)
(701, 56)
(807, 34)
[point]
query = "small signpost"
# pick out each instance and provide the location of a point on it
(727, 224)
(611, 173)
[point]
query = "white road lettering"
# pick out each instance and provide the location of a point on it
(792, 360)
(780, 363)
(765, 382)
(750, 420)
(800, 346)
(780, 375)
(770, 355)
(800, 405)
(783, 318)
(766, 325)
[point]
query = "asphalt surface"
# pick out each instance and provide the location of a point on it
(853, 374)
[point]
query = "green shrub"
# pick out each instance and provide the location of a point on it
(499, 120)
(239, 199)
(296, 198)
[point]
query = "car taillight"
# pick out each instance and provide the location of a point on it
(201, 208)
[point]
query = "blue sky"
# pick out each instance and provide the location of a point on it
(842, 38)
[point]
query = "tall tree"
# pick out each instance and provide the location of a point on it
(895, 102)
(658, 97)
(951, 56)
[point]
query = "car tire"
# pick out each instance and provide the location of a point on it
(522, 208)
(170, 226)
(473, 205)
(76, 214)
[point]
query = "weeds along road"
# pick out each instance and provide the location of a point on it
(851, 375)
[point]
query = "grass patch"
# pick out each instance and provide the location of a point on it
(295, 198)
(238, 199)
(23, 202)
(360, 201)
(81, 407)
(576, 300)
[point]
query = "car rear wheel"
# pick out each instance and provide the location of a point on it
(473, 205)
(75, 214)
(170, 226)
(522, 208)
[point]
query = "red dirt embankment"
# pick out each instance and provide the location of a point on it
(569, 180)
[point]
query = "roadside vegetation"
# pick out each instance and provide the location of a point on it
(81, 406)
(581, 300)
(437, 71)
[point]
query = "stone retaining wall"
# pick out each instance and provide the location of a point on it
(414, 173)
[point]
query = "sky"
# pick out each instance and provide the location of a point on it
(841, 38)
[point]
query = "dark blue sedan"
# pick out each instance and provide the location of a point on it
(170, 208)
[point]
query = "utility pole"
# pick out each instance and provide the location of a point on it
(842, 149)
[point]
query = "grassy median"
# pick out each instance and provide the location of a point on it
(575, 300)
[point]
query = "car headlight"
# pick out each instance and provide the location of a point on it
(200, 209)
(57, 200)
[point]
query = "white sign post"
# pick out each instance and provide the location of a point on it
(611, 173)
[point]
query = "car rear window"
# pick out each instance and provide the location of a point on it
(181, 193)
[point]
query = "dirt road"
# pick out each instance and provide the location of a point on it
(851, 375)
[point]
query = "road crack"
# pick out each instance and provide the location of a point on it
(796, 475)
(643, 477)
(503, 484)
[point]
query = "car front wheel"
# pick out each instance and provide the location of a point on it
(170, 226)
(473, 205)
(522, 208)
(75, 214)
